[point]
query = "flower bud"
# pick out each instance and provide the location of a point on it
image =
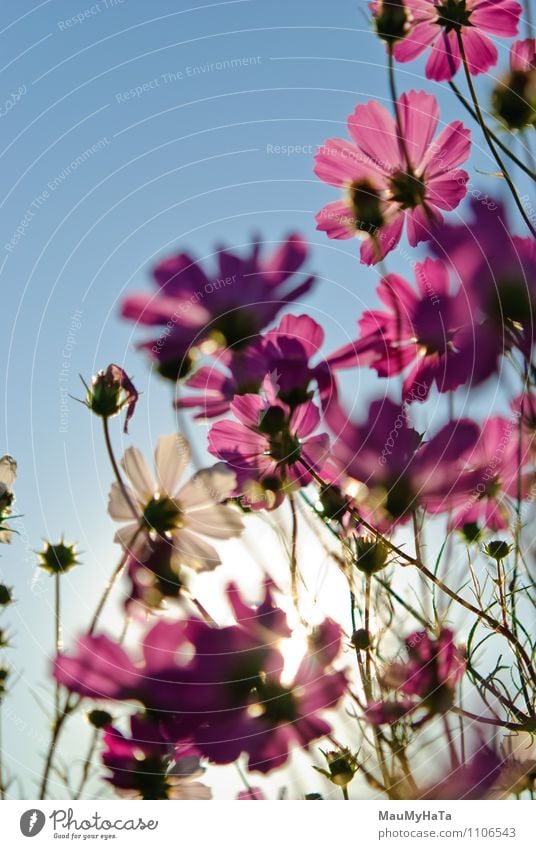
(361, 639)
(99, 718)
(390, 19)
(514, 99)
(498, 549)
(6, 596)
(110, 391)
(342, 766)
(370, 555)
(57, 559)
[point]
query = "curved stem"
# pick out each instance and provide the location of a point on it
(87, 763)
(57, 639)
(496, 155)
(293, 552)
(504, 147)
(115, 467)
(392, 87)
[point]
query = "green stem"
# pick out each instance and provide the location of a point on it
(87, 763)
(505, 149)
(293, 552)
(394, 98)
(57, 639)
(496, 155)
(487, 720)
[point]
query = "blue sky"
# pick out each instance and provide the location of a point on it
(170, 150)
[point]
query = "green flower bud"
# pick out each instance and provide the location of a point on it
(110, 391)
(361, 639)
(342, 766)
(498, 549)
(6, 596)
(391, 20)
(57, 559)
(370, 555)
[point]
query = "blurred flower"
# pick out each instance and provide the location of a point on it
(427, 679)
(143, 767)
(518, 772)
(8, 474)
(437, 24)
(58, 559)
(401, 471)
(498, 271)
(270, 448)
(283, 354)
(183, 516)
(514, 98)
(219, 688)
(430, 329)
(110, 391)
(498, 477)
(253, 794)
(375, 166)
(473, 779)
(198, 313)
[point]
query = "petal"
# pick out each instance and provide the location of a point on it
(389, 237)
(207, 487)
(171, 457)
(195, 552)
(481, 53)
(447, 190)
(417, 40)
(444, 59)
(118, 506)
(137, 471)
(374, 131)
(219, 522)
(419, 115)
(498, 17)
(451, 148)
(336, 220)
(339, 162)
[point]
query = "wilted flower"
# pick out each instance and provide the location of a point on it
(181, 515)
(58, 559)
(110, 392)
(388, 185)
(439, 23)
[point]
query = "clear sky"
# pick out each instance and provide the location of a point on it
(128, 130)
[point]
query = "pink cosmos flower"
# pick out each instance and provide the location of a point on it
(436, 24)
(427, 327)
(498, 272)
(270, 448)
(145, 765)
(523, 55)
(225, 310)
(283, 354)
(389, 180)
(426, 680)
(400, 470)
(498, 462)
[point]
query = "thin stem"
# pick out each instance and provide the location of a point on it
(87, 763)
(2, 788)
(367, 629)
(293, 552)
(68, 709)
(496, 155)
(519, 162)
(57, 639)
(112, 581)
(115, 467)
(394, 98)
(345, 793)
(454, 761)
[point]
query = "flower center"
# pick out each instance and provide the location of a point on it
(407, 190)
(275, 703)
(453, 15)
(234, 329)
(162, 515)
(365, 201)
(284, 447)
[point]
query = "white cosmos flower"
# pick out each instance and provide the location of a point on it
(183, 514)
